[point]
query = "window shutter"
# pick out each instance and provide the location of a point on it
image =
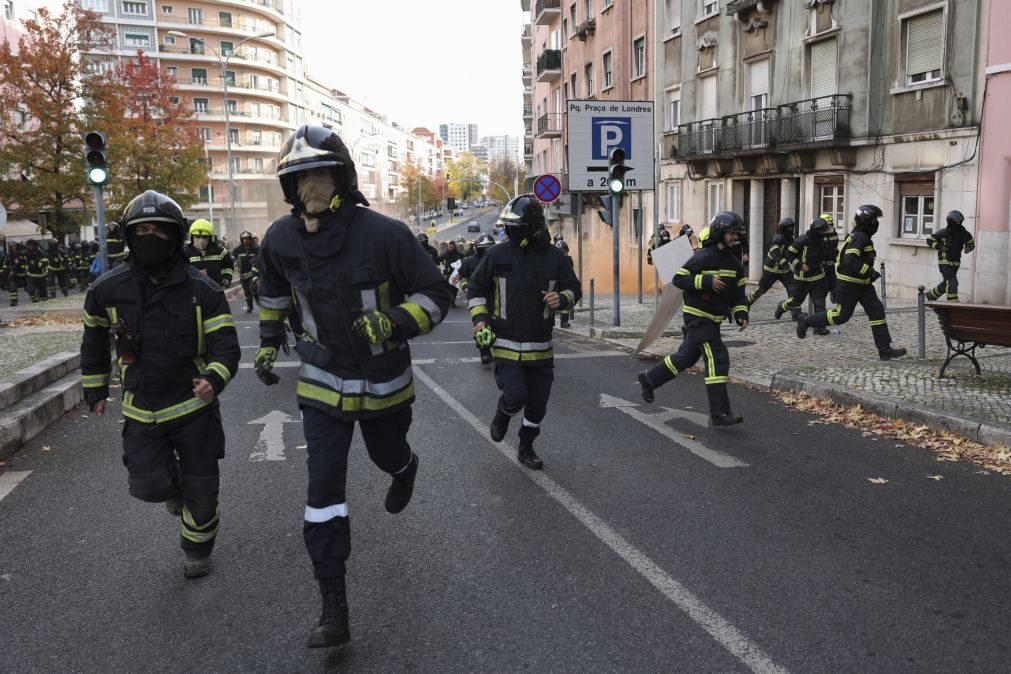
(924, 43)
(707, 102)
(823, 68)
(674, 15)
(758, 78)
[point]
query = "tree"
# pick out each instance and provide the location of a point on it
(417, 188)
(504, 173)
(153, 144)
(467, 175)
(42, 85)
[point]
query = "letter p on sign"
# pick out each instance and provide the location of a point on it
(610, 133)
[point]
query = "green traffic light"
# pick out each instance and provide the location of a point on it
(98, 176)
(616, 186)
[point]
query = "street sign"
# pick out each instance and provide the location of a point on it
(547, 188)
(595, 128)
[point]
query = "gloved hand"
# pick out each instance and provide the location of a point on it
(263, 362)
(484, 337)
(374, 326)
(226, 282)
(969, 246)
(875, 275)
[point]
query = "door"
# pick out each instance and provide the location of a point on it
(772, 207)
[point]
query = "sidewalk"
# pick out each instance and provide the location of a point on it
(843, 367)
(32, 332)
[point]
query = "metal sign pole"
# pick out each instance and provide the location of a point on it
(103, 253)
(579, 238)
(639, 227)
(615, 227)
(656, 217)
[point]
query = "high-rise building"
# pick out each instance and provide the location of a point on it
(459, 136)
(502, 148)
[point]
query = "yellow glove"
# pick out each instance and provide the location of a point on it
(374, 326)
(264, 363)
(484, 338)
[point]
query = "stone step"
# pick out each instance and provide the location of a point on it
(28, 417)
(34, 378)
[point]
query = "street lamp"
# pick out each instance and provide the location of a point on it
(223, 63)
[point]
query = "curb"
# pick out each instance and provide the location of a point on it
(28, 381)
(979, 431)
(29, 417)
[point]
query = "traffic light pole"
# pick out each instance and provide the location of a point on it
(103, 253)
(615, 229)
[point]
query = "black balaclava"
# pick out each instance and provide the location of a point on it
(153, 255)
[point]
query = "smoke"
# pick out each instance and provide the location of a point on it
(598, 264)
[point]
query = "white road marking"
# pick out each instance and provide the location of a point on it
(11, 479)
(270, 445)
(658, 422)
(724, 633)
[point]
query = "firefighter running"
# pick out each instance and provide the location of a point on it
(806, 259)
(713, 282)
(244, 257)
(177, 350)
(364, 287)
(950, 243)
(481, 246)
(775, 269)
(856, 276)
(513, 296)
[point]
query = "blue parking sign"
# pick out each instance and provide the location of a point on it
(610, 133)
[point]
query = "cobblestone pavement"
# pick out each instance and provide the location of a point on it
(847, 358)
(24, 341)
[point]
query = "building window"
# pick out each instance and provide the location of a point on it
(204, 133)
(137, 39)
(368, 161)
(605, 4)
(588, 77)
(166, 9)
(225, 19)
(639, 58)
(233, 136)
(588, 6)
(257, 164)
(924, 45)
(93, 5)
(707, 101)
(198, 75)
(226, 47)
(196, 46)
(673, 109)
(174, 100)
(708, 8)
(572, 85)
(917, 197)
(714, 199)
(134, 8)
(169, 39)
(195, 15)
(608, 67)
(572, 16)
(200, 104)
(674, 16)
(172, 70)
(758, 85)
(673, 202)
(823, 60)
(831, 200)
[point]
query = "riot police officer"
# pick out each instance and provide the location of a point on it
(208, 255)
(513, 296)
(364, 288)
(177, 350)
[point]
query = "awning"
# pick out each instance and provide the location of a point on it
(20, 230)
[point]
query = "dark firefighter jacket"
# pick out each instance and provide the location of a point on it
(180, 330)
(58, 260)
(506, 291)
(115, 248)
(775, 257)
(705, 306)
(32, 264)
(358, 261)
(216, 261)
(467, 268)
(806, 249)
(949, 244)
(244, 259)
(856, 259)
(831, 245)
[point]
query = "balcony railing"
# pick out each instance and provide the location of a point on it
(549, 64)
(215, 83)
(545, 11)
(549, 125)
(528, 111)
(783, 128)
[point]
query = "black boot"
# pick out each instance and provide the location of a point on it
(889, 353)
(195, 567)
(646, 387)
(727, 419)
(332, 630)
(779, 311)
(802, 326)
(402, 487)
(499, 425)
(249, 306)
(528, 457)
(822, 331)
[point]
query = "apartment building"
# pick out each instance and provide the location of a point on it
(459, 136)
(778, 108)
(501, 148)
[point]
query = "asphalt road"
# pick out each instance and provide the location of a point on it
(485, 221)
(632, 551)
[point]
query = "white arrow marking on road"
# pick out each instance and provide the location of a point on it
(11, 479)
(270, 445)
(658, 422)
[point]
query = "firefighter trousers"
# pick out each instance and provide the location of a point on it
(848, 295)
(716, 360)
(58, 277)
(526, 389)
(179, 458)
(948, 285)
(766, 282)
(326, 529)
(37, 288)
(248, 292)
(818, 290)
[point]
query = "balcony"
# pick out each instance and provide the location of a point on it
(528, 112)
(527, 36)
(588, 27)
(549, 65)
(525, 5)
(549, 125)
(547, 11)
(808, 124)
(527, 73)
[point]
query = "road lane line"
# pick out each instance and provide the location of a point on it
(724, 633)
(11, 479)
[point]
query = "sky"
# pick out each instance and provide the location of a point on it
(422, 63)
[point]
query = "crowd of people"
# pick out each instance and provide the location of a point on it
(354, 287)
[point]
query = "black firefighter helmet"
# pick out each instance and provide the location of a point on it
(955, 219)
(316, 147)
(159, 209)
(819, 226)
(867, 217)
(787, 225)
(523, 218)
(722, 223)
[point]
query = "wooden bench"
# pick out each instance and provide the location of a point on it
(968, 326)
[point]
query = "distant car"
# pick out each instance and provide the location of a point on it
(474, 227)
(458, 213)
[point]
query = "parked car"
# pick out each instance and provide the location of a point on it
(474, 227)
